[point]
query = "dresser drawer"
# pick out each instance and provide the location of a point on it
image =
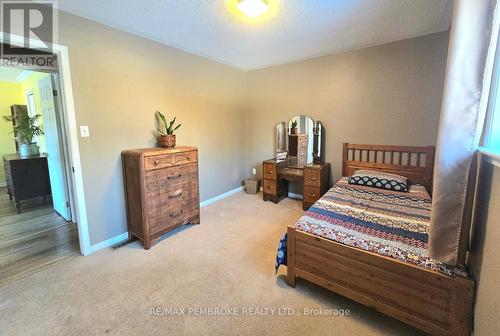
(269, 171)
(269, 187)
(312, 177)
(162, 218)
(174, 193)
(186, 158)
(168, 179)
(311, 194)
(170, 160)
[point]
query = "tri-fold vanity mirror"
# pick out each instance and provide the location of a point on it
(301, 140)
(300, 153)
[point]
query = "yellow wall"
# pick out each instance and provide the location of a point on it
(31, 84)
(10, 94)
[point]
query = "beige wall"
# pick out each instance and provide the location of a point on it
(387, 94)
(118, 81)
(484, 260)
(383, 94)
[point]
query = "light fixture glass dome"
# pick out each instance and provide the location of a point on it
(253, 8)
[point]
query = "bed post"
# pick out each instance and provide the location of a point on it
(429, 168)
(290, 268)
(345, 158)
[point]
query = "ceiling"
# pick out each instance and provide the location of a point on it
(9, 74)
(292, 29)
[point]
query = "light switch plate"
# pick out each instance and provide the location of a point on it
(254, 171)
(84, 131)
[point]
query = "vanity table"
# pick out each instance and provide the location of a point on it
(303, 143)
(315, 178)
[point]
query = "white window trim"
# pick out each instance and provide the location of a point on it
(493, 103)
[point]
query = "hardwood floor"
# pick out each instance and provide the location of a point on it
(33, 240)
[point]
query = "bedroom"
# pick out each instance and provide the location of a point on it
(374, 76)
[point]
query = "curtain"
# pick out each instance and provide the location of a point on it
(471, 52)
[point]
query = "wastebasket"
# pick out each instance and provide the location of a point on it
(252, 185)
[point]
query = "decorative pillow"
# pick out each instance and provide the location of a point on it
(378, 179)
(281, 254)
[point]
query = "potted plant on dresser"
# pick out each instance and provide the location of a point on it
(25, 129)
(293, 127)
(166, 130)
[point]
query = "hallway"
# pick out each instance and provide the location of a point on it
(33, 240)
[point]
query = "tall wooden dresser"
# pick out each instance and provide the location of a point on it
(161, 190)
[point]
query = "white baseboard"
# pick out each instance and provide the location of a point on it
(108, 243)
(221, 196)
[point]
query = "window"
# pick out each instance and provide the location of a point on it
(491, 139)
(30, 98)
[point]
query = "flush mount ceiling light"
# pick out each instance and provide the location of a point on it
(253, 8)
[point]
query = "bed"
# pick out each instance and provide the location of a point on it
(370, 244)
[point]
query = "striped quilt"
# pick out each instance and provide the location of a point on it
(390, 223)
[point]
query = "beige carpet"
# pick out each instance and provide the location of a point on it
(226, 262)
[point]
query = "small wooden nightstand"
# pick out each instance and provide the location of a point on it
(277, 174)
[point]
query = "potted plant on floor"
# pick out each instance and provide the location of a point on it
(166, 130)
(25, 130)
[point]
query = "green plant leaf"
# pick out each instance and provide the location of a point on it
(162, 121)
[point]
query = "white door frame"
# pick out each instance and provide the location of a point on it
(71, 131)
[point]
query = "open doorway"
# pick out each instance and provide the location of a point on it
(37, 222)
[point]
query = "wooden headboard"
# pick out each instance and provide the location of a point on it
(416, 163)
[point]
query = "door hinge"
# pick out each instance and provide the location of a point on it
(54, 92)
(73, 169)
(67, 204)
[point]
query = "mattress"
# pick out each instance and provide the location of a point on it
(390, 223)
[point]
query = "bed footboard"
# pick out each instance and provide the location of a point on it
(428, 300)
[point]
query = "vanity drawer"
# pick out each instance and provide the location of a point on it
(269, 171)
(312, 177)
(269, 187)
(311, 194)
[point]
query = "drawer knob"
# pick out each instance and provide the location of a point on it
(174, 177)
(311, 195)
(177, 195)
(312, 178)
(176, 214)
(156, 162)
(270, 172)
